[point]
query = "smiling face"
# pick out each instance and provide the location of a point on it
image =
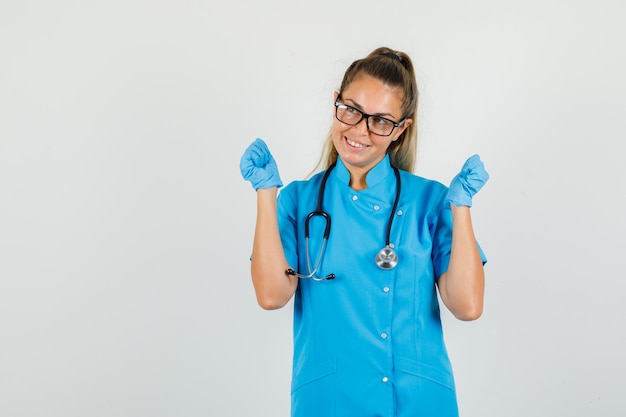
(358, 148)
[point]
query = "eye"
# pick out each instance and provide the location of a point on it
(380, 121)
(352, 110)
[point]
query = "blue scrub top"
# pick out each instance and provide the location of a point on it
(369, 342)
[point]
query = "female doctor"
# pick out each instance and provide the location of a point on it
(366, 265)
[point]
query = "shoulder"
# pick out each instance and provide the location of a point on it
(426, 194)
(299, 189)
(300, 185)
(422, 185)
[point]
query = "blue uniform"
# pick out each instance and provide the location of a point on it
(369, 342)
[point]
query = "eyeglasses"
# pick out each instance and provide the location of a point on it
(378, 125)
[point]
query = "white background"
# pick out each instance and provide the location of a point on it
(125, 226)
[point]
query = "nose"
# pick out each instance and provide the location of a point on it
(362, 127)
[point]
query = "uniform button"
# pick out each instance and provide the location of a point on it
(385, 379)
(383, 335)
(399, 212)
(376, 207)
(355, 197)
(386, 289)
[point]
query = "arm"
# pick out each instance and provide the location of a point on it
(462, 286)
(273, 287)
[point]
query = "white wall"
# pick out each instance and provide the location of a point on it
(125, 227)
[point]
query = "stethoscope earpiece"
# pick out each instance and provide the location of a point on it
(292, 272)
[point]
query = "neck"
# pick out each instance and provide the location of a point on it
(358, 175)
(358, 186)
(357, 179)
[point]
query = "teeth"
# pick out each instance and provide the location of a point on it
(355, 144)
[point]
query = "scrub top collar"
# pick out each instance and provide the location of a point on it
(377, 174)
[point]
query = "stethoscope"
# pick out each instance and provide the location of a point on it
(386, 258)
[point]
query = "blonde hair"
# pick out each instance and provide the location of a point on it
(395, 69)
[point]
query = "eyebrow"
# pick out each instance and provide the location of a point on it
(358, 106)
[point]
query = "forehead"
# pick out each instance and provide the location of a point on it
(373, 95)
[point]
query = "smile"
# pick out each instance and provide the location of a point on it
(355, 144)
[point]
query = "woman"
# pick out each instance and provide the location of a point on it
(367, 331)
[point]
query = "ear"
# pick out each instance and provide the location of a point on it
(407, 122)
(335, 96)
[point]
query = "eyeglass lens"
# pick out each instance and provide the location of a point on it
(352, 116)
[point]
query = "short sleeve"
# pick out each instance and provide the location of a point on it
(287, 225)
(442, 242)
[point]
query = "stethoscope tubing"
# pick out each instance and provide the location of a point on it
(319, 211)
(386, 257)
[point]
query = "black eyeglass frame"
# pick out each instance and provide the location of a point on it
(366, 117)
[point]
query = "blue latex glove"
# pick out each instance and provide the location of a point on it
(467, 183)
(258, 166)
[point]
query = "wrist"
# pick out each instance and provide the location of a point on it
(267, 192)
(459, 209)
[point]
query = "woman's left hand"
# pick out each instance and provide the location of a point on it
(467, 182)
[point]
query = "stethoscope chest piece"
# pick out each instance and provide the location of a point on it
(387, 258)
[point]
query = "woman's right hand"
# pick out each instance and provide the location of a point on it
(258, 166)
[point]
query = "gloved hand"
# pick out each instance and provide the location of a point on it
(258, 166)
(467, 183)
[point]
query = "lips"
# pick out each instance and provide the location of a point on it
(355, 144)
